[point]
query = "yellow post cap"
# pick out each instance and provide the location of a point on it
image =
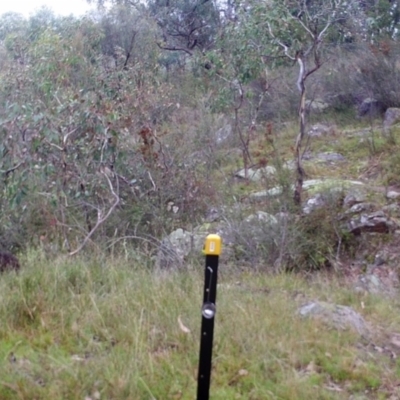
(213, 245)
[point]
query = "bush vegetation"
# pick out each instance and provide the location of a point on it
(122, 125)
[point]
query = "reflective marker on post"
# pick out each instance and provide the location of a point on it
(212, 250)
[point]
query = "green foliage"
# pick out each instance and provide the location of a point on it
(70, 118)
(383, 18)
(186, 25)
(11, 23)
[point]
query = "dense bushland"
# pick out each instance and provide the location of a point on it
(109, 123)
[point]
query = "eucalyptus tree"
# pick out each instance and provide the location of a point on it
(44, 18)
(126, 35)
(274, 33)
(382, 18)
(12, 23)
(80, 157)
(186, 25)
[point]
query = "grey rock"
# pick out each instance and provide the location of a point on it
(329, 157)
(360, 207)
(330, 184)
(256, 175)
(372, 223)
(313, 203)
(319, 130)
(177, 246)
(256, 227)
(262, 216)
(392, 116)
(312, 185)
(336, 316)
(223, 134)
(392, 209)
(213, 214)
(370, 283)
(317, 105)
(264, 194)
(382, 257)
(325, 157)
(392, 195)
(371, 108)
(354, 196)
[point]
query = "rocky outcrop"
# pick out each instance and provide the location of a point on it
(259, 235)
(376, 222)
(179, 244)
(312, 186)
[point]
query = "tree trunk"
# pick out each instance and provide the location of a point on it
(302, 127)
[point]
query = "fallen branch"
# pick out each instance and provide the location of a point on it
(8, 171)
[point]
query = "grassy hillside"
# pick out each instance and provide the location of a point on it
(111, 140)
(107, 329)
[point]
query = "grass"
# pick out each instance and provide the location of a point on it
(102, 329)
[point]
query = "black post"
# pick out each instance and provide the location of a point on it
(212, 250)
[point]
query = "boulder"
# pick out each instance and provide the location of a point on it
(336, 316)
(359, 208)
(354, 196)
(392, 195)
(392, 116)
(371, 108)
(261, 216)
(376, 222)
(265, 194)
(177, 246)
(370, 283)
(319, 130)
(313, 203)
(316, 105)
(257, 174)
(257, 226)
(329, 157)
(223, 134)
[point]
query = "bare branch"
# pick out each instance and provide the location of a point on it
(128, 53)
(285, 48)
(174, 48)
(100, 219)
(152, 181)
(322, 33)
(305, 27)
(300, 79)
(66, 137)
(8, 171)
